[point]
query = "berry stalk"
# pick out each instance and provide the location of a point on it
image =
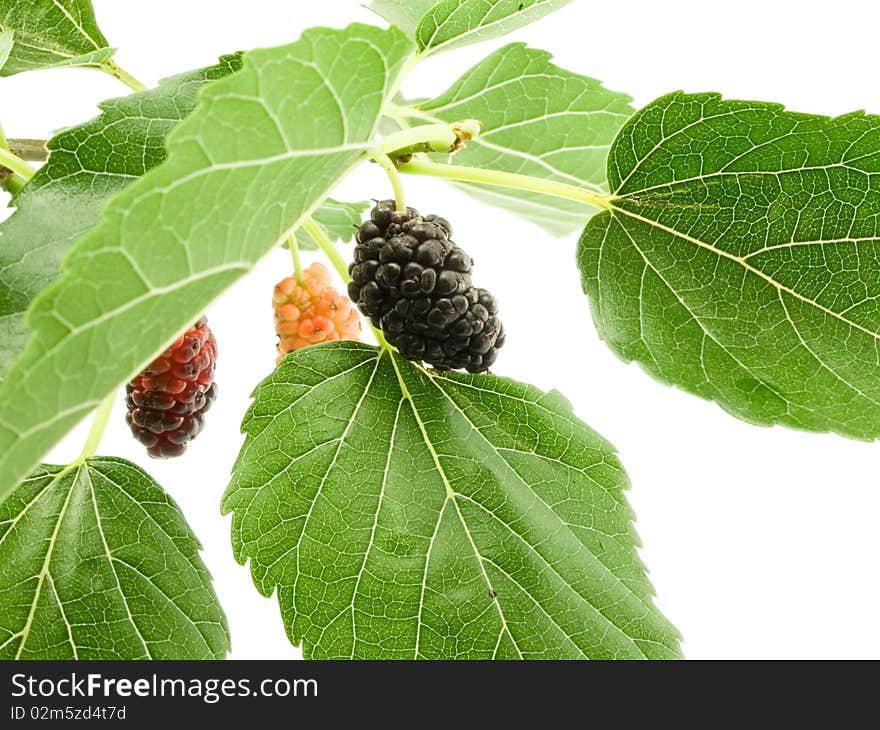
(311, 312)
(314, 229)
(387, 164)
(294, 254)
(93, 440)
(329, 250)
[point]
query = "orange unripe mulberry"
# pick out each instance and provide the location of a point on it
(312, 312)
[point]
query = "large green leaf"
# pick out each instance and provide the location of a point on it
(88, 164)
(741, 259)
(7, 38)
(404, 514)
(99, 563)
(539, 120)
(50, 33)
(405, 14)
(453, 23)
(243, 170)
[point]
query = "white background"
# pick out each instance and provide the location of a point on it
(760, 542)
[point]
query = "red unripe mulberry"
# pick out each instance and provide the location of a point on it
(168, 400)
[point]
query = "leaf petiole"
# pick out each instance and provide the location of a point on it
(13, 162)
(398, 112)
(93, 440)
(117, 72)
(514, 181)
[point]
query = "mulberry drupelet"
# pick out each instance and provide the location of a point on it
(414, 283)
(168, 400)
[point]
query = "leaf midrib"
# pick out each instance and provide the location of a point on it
(712, 176)
(742, 262)
(450, 497)
(44, 570)
(705, 330)
(194, 545)
(453, 494)
(110, 561)
(42, 44)
(648, 608)
(76, 24)
(708, 333)
(479, 28)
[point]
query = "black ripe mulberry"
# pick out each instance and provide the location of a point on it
(414, 283)
(167, 401)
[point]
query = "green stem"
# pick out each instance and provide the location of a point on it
(117, 72)
(16, 164)
(10, 182)
(316, 231)
(326, 245)
(297, 263)
(438, 137)
(510, 180)
(93, 440)
(425, 138)
(390, 168)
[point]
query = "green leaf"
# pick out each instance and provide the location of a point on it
(52, 33)
(402, 514)
(99, 563)
(405, 14)
(539, 120)
(453, 23)
(88, 164)
(7, 38)
(242, 172)
(339, 220)
(739, 260)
